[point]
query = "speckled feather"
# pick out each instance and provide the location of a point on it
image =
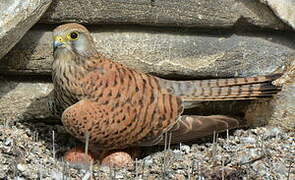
(120, 107)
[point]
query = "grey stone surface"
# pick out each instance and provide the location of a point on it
(172, 54)
(16, 18)
(284, 9)
(188, 13)
(284, 104)
(280, 111)
(24, 100)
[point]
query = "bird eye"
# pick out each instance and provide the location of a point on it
(73, 36)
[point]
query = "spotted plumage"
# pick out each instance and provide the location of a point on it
(120, 107)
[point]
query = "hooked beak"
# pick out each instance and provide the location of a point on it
(58, 42)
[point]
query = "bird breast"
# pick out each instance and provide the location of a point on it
(66, 75)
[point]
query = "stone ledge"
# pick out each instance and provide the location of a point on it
(192, 13)
(284, 9)
(16, 18)
(24, 100)
(166, 53)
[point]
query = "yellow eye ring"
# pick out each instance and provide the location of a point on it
(73, 35)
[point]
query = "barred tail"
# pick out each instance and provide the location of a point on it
(223, 89)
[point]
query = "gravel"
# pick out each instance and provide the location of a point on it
(27, 151)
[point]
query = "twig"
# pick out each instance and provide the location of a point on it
(169, 142)
(40, 175)
(189, 170)
(91, 169)
(53, 144)
(193, 165)
(6, 123)
(222, 171)
(253, 160)
(165, 142)
(143, 168)
(36, 136)
(214, 146)
(111, 171)
(87, 176)
(199, 170)
(289, 170)
(64, 171)
(227, 139)
(86, 142)
(136, 168)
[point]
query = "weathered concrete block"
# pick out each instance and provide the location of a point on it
(189, 13)
(165, 53)
(16, 18)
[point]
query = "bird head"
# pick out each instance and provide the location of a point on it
(73, 38)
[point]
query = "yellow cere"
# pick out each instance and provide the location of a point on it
(59, 39)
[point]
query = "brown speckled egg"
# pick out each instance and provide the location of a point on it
(77, 158)
(118, 159)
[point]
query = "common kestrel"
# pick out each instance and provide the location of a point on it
(118, 107)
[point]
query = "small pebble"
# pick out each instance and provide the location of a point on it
(19, 178)
(87, 176)
(8, 142)
(148, 161)
(21, 167)
(254, 153)
(119, 176)
(281, 168)
(244, 159)
(177, 154)
(180, 171)
(178, 177)
(185, 148)
(248, 140)
(57, 175)
(274, 132)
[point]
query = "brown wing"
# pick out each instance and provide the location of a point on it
(189, 128)
(121, 107)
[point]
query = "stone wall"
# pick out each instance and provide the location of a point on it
(193, 39)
